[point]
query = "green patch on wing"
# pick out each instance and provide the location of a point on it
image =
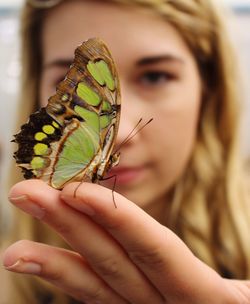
(105, 121)
(78, 151)
(91, 118)
(37, 163)
(88, 94)
(101, 73)
(106, 106)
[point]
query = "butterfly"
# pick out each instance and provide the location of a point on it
(72, 138)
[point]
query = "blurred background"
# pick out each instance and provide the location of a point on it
(239, 22)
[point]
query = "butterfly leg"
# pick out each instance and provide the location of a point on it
(77, 188)
(94, 179)
(113, 188)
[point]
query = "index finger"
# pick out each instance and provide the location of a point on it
(156, 250)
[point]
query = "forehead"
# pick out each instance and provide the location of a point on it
(127, 30)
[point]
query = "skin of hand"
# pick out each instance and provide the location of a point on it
(119, 255)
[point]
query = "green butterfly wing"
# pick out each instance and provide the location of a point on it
(73, 137)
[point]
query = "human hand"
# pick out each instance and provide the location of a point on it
(121, 255)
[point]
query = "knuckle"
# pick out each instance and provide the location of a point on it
(96, 295)
(52, 275)
(114, 224)
(63, 228)
(110, 222)
(151, 258)
(153, 253)
(108, 267)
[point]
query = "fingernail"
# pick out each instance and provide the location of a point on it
(26, 204)
(25, 267)
(78, 205)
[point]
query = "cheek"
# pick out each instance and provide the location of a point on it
(172, 140)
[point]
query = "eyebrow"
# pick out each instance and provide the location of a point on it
(158, 59)
(64, 63)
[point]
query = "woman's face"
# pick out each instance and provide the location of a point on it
(159, 79)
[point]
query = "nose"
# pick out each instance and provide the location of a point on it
(129, 117)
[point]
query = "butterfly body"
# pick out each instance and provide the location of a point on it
(72, 138)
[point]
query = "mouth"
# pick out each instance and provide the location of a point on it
(126, 175)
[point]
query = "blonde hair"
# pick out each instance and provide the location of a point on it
(209, 209)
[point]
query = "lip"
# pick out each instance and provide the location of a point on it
(126, 175)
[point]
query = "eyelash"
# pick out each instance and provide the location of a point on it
(155, 78)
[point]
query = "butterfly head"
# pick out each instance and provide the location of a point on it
(114, 160)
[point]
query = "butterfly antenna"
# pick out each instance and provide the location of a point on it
(127, 137)
(130, 136)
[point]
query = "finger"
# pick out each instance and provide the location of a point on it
(102, 252)
(242, 290)
(63, 268)
(157, 251)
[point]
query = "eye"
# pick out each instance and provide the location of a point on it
(155, 78)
